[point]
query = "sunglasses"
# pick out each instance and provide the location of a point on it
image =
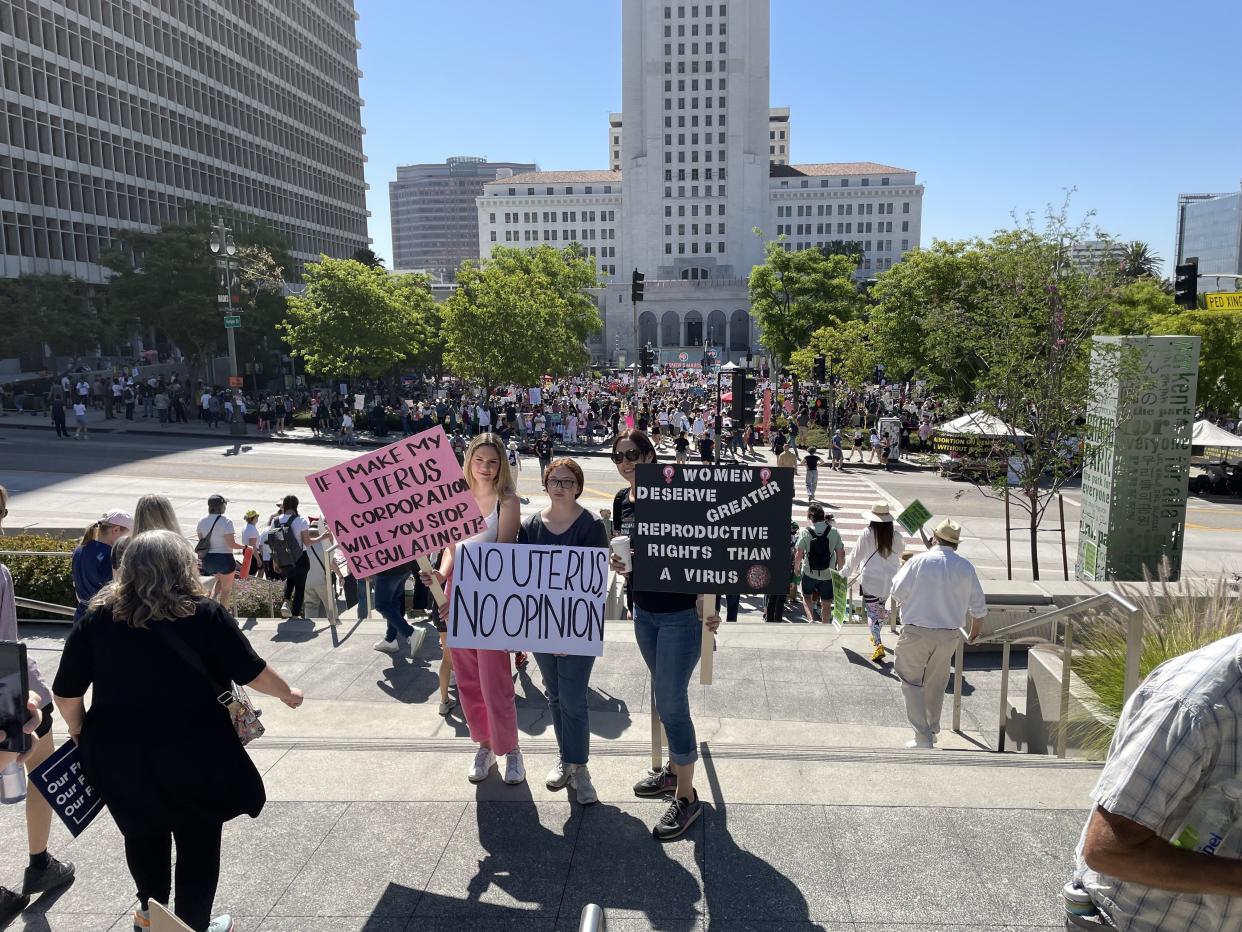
(632, 455)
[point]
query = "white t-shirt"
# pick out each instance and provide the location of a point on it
(84, 388)
(79, 408)
(250, 536)
(223, 528)
(347, 422)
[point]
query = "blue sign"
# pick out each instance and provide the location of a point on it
(63, 785)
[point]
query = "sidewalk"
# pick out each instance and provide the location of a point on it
(815, 816)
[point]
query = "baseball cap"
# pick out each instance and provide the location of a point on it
(217, 499)
(120, 519)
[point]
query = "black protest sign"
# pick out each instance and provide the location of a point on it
(396, 504)
(715, 529)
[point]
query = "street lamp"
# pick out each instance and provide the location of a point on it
(224, 249)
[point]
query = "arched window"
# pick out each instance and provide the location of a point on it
(670, 329)
(648, 330)
(694, 329)
(716, 329)
(739, 331)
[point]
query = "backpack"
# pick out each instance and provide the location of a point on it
(285, 547)
(819, 554)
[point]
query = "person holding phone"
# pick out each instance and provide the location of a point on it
(44, 872)
(565, 523)
(670, 638)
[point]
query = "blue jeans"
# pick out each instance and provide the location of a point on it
(565, 682)
(670, 644)
(389, 589)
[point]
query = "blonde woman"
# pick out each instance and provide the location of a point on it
(484, 677)
(92, 557)
(155, 513)
(182, 773)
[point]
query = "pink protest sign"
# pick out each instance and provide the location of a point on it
(397, 504)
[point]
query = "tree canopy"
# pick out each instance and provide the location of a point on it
(521, 314)
(56, 311)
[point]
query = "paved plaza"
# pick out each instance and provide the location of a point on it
(816, 817)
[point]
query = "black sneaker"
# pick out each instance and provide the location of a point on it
(41, 880)
(11, 906)
(662, 782)
(679, 816)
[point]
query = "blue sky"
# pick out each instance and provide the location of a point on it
(998, 105)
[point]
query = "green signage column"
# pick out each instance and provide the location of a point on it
(1136, 456)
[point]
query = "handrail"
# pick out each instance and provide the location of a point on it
(23, 602)
(593, 919)
(36, 553)
(1060, 616)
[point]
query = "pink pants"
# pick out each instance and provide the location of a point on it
(485, 687)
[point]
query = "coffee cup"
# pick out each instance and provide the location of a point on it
(621, 550)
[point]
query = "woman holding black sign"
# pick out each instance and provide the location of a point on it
(670, 638)
(565, 523)
(485, 677)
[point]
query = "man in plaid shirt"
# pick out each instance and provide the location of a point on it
(1177, 736)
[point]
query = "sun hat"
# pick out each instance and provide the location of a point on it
(251, 514)
(948, 531)
(879, 512)
(119, 518)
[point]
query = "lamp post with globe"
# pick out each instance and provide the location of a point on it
(228, 295)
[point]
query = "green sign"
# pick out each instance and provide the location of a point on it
(1090, 556)
(840, 600)
(232, 323)
(914, 517)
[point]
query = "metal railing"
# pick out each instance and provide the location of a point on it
(50, 607)
(592, 919)
(1063, 619)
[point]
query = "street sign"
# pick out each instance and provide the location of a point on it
(232, 323)
(235, 381)
(222, 299)
(1224, 301)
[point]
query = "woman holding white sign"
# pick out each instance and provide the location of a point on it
(565, 523)
(485, 677)
(670, 638)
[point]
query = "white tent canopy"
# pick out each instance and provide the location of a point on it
(980, 425)
(1207, 434)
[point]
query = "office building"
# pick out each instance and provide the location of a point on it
(134, 115)
(698, 160)
(435, 224)
(1209, 226)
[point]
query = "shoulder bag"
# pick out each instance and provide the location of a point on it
(235, 700)
(203, 547)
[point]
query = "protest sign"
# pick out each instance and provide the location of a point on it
(162, 920)
(396, 504)
(714, 529)
(360, 402)
(63, 785)
(914, 517)
(840, 600)
(517, 597)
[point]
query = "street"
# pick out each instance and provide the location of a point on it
(65, 484)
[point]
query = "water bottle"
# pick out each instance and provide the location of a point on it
(12, 784)
(1212, 820)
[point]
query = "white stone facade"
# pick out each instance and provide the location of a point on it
(705, 161)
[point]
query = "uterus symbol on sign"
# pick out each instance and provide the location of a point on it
(669, 472)
(765, 475)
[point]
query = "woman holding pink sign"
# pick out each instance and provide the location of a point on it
(484, 677)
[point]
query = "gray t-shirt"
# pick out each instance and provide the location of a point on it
(586, 531)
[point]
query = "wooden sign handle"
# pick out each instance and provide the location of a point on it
(424, 564)
(708, 651)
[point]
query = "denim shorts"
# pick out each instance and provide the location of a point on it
(218, 564)
(813, 586)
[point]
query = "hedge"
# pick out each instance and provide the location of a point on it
(48, 579)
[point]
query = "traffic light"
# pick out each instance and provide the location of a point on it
(821, 366)
(636, 286)
(743, 386)
(647, 359)
(1186, 284)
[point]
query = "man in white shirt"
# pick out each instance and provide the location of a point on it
(936, 590)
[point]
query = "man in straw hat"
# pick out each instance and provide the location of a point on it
(936, 590)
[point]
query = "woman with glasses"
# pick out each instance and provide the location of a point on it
(670, 637)
(484, 677)
(565, 523)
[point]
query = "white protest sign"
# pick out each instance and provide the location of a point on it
(360, 402)
(517, 597)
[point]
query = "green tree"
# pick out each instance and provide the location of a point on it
(355, 319)
(1134, 306)
(1220, 333)
(520, 314)
(1139, 261)
(58, 312)
(848, 349)
(793, 294)
(367, 256)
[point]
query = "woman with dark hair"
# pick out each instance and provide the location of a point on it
(301, 538)
(565, 523)
(218, 561)
(876, 558)
(182, 772)
(670, 638)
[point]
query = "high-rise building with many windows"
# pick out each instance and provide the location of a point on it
(131, 114)
(698, 159)
(1209, 228)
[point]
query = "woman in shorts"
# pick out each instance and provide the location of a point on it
(217, 561)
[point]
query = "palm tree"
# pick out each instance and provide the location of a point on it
(1138, 261)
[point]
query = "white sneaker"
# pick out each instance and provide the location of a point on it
(515, 769)
(482, 766)
(285, 610)
(921, 744)
(580, 783)
(416, 641)
(447, 707)
(386, 647)
(558, 776)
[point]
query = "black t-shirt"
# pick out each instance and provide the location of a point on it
(543, 449)
(682, 444)
(586, 531)
(812, 462)
(658, 603)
